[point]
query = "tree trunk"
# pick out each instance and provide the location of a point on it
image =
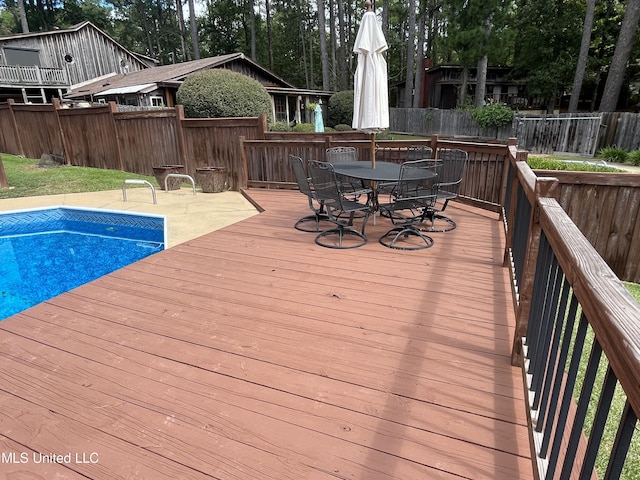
(252, 21)
(324, 56)
(333, 42)
(582, 57)
(422, 27)
(194, 30)
(462, 93)
(269, 36)
(186, 54)
(621, 55)
(343, 52)
(411, 53)
(481, 81)
(23, 17)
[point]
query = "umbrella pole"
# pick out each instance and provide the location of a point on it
(373, 150)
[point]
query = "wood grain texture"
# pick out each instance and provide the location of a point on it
(252, 353)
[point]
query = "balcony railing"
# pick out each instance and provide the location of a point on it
(32, 76)
(577, 339)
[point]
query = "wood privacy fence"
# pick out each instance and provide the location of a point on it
(135, 142)
(579, 133)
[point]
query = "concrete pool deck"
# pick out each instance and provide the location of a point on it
(188, 216)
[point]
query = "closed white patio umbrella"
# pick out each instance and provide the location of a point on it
(370, 90)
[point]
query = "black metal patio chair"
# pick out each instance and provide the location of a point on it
(348, 185)
(309, 223)
(340, 209)
(450, 167)
(418, 152)
(410, 203)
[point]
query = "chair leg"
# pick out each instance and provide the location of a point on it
(439, 224)
(400, 238)
(345, 238)
(302, 224)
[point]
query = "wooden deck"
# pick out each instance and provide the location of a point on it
(251, 353)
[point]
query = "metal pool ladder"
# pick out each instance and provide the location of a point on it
(133, 181)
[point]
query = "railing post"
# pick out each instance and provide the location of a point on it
(545, 187)
(243, 176)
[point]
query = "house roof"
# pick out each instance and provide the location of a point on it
(144, 61)
(170, 75)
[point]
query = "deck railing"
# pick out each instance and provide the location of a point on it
(268, 164)
(33, 76)
(577, 338)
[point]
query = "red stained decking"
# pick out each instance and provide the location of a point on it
(251, 353)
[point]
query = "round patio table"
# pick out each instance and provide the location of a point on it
(383, 172)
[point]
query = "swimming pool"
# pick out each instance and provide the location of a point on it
(46, 252)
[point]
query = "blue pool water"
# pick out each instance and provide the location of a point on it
(46, 252)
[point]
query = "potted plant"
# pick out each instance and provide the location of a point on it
(161, 171)
(212, 179)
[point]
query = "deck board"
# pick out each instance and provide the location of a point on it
(252, 353)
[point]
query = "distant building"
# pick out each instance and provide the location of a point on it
(157, 87)
(82, 63)
(442, 83)
(35, 67)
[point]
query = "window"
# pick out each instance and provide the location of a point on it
(157, 101)
(281, 109)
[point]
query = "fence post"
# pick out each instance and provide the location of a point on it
(14, 127)
(113, 109)
(434, 144)
(545, 187)
(56, 107)
(180, 144)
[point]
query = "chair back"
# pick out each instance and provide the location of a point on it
(450, 169)
(302, 178)
(418, 152)
(341, 154)
(417, 184)
(325, 183)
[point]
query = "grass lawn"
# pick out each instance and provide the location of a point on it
(26, 179)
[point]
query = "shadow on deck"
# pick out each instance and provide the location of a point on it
(252, 353)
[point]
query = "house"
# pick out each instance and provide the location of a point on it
(35, 67)
(157, 87)
(441, 85)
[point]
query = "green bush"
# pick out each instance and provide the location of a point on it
(220, 93)
(340, 109)
(304, 128)
(492, 116)
(342, 127)
(279, 127)
(634, 158)
(613, 154)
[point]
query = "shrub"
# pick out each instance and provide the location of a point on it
(279, 127)
(304, 128)
(634, 158)
(613, 154)
(492, 116)
(342, 127)
(221, 93)
(340, 109)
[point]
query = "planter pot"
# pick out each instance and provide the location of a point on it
(212, 179)
(161, 171)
